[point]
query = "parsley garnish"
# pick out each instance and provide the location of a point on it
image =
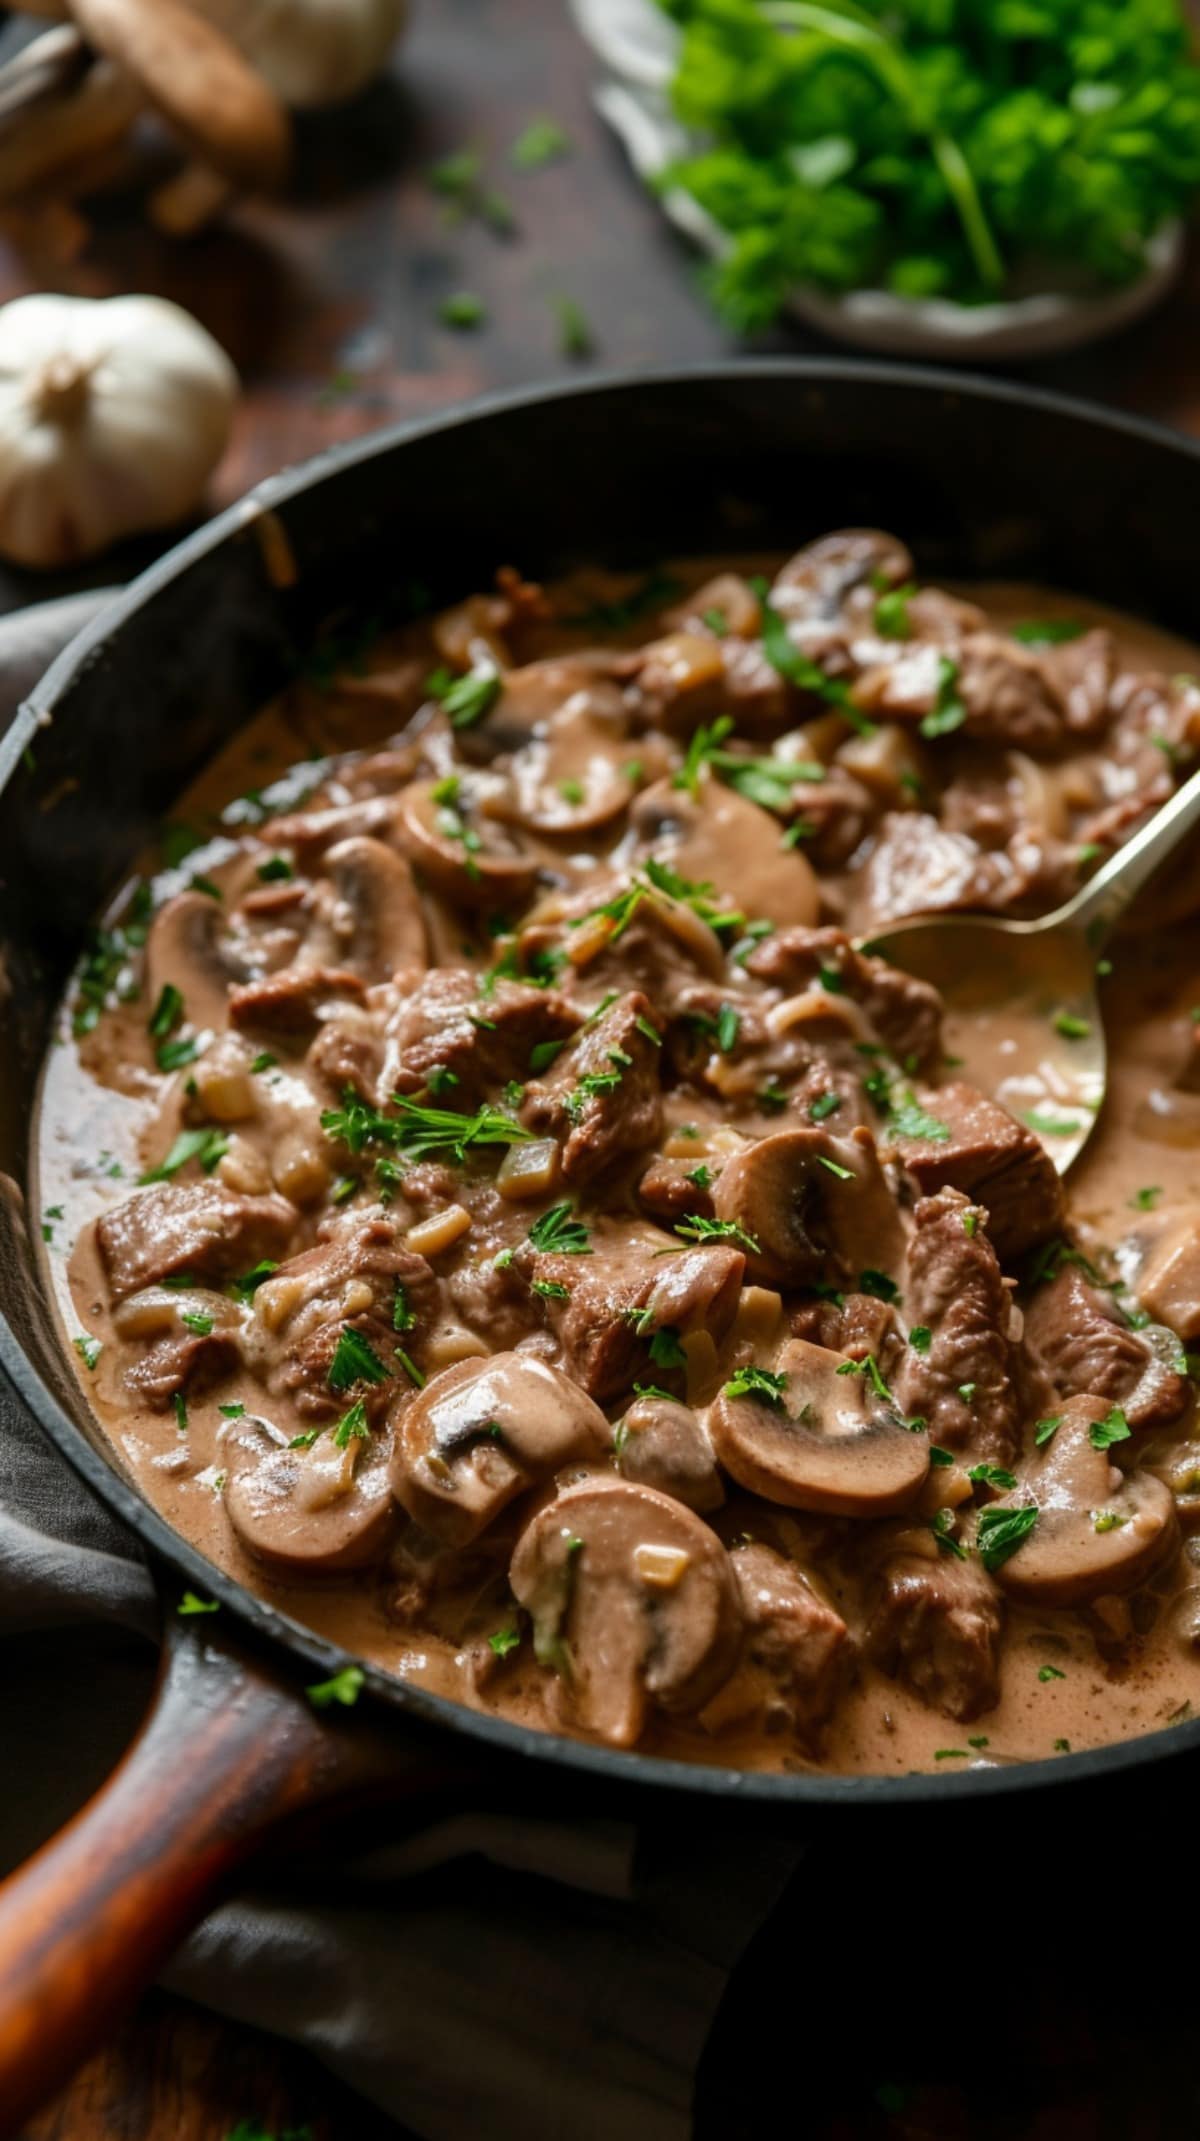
(666, 1350)
(1071, 1027)
(1046, 1429)
(1046, 631)
(195, 1320)
(345, 1687)
(167, 1012)
(354, 1361)
(844, 1174)
(1049, 1125)
(909, 1119)
(541, 142)
(942, 1527)
(920, 1338)
(1113, 1428)
(1050, 1672)
(948, 712)
(404, 1315)
(698, 1229)
(824, 1105)
(352, 1425)
(1002, 1531)
(190, 1604)
(992, 1476)
(467, 698)
(550, 1290)
(88, 1348)
(559, 1230)
(244, 1289)
(878, 1284)
(760, 1383)
(1144, 1200)
(206, 1146)
(504, 1640)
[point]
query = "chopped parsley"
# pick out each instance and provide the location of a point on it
(701, 1176)
(1046, 1429)
(504, 1640)
(824, 1105)
(699, 1229)
(947, 712)
(404, 1315)
(1144, 1200)
(245, 1288)
(190, 1604)
(467, 698)
(205, 1146)
(167, 1012)
(88, 1348)
(354, 1361)
(666, 1350)
(550, 1290)
(908, 1119)
(878, 1285)
(760, 1383)
(1049, 1125)
(542, 1054)
(345, 1687)
(1106, 1520)
(891, 617)
(410, 1368)
(1050, 1672)
(560, 1231)
(938, 1457)
(196, 1320)
(942, 1527)
(541, 142)
(992, 1476)
(575, 337)
(1046, 631)
(277, 870)
(463, 310)
(419, 1130)
(833, 1167)
(1071, 1027)
(920, 1338)
(179, 1406)
(1113, 1428)
(233, 1411)
(786, 659)
(352, 1426)
(263, 1061)
(1002, 1531)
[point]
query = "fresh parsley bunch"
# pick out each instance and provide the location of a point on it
(969, 149)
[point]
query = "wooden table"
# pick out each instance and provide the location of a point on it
(328, 303)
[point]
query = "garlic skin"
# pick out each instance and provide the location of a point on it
(113, 413)
(312, 52)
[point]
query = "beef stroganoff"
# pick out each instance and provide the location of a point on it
(505, 1212)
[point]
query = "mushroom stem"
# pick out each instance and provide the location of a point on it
(47, 131)
(198, 80)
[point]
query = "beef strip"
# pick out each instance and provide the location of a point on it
(855, 1324)
(349, 1282)
(603, 1097)
(200, 1227)
(181, 1361)
(962, 1384)
(795, 1649)
(903, 1012)
(937, 1625)
(480, 1041)
(294, 1000)
(606, 1308)
(1077, 1335)
(991, 1158)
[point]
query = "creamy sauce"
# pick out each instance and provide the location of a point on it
(106, 1113)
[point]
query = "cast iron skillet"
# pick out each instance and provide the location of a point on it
(980, 479)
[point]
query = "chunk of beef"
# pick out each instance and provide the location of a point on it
(795, 1652)
(444, 1024)
(905, 1013)
(308, 833)
(962, 1384)
(817, 581)
(937, 1625)
(181, 1361)
(917, 867)
(200, 1227)
(989, 1157)
(603, 1097)
(349, 1056)
(605, 1309)
(293, 1001)
(668, 1190)
(350, 1282)
(1079, 1338)
(856, 1325)
(833, 816)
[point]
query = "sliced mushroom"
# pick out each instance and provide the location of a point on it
(197, 78)
(816, 581)
(462, 851)
(189, 948)
(377, 921)
(576, 777)
(726, 605)
(828, 1443)
(1168, 1283)
(1097, 1528)
(481, 1432)
(662, 1444)
(816, 1207)
(307, 1512)
(718, 837)
(632, 1598)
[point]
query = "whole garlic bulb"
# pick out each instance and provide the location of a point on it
(312, 52)
(113, 413)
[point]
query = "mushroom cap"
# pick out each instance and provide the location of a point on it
(662, 1444)
(1065, 1560)
(198, 80)
(719, 837)
(811, 1200)
(633, 1597)
(481, 1432)
(497, 873)
(574, 777)
(307, 1512)
(185, 947)
(377, 918)
(831, 1445)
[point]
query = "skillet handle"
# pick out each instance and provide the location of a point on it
(227, 1756)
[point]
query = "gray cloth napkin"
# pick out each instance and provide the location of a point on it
(485, 1974)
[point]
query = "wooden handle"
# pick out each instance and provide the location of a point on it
(226, 1756)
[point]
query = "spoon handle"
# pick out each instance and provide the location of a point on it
(1103, 900)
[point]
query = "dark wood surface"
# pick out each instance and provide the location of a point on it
(328, 303)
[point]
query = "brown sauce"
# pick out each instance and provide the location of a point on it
(1014, 819)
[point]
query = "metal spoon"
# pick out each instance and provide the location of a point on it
(1009, 984)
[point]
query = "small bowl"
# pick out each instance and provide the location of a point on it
(639, 45)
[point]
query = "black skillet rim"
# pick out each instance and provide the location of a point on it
(598, 1765)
